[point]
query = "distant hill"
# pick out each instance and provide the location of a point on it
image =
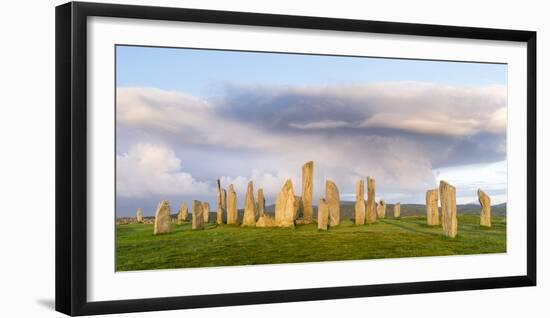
(347, 209)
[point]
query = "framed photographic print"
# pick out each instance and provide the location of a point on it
(213, 158)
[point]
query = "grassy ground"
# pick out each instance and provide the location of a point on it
(222, 245)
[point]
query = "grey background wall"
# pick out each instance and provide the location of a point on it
(27, 157)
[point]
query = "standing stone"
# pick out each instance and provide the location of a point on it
(162, 218)
(485, 214)
(371, 203)
(360, 203)
(205, 211)
(182, 213)
(448, 208)
(397, 210)
(332, 197)
(322, 215)
(285, 206)
(307, 192)
(197, 217)
(231, 205)
(432, 210)
(221, 202)
(139, 215)
(260, 203)
(249, 218)
(381, 209)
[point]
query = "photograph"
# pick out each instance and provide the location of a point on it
(231, 158)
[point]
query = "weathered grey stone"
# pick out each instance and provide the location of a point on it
(249, 218)
(332, 197)
(205, 211)
(307, 192)
(162, 218)
(182, 213)
(322, 215)
(432, 210)
(285, 206)
(221, 202)
(371, 202)
(260, 203)
(266, 220)
(360, 203)
(397, 210)
(197, 217)
(139, 215)
(485, 213)
(381, 209)
(231, 205)
(448, 208)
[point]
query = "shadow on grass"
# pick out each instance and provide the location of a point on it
(408, 228)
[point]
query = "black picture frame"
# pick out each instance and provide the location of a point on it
(71, 157)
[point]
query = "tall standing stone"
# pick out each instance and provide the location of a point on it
(397, 210)
(307, 192)
(285, 206)
(139, 215)
(249, 218)
(205, 211)
(231, 205)
(322, 215)
(332, 196)
(260, 202)
(221, 202)
(485, 214)
(381, 209)
(162, 218)
(360, 203)
(432, 210)
(449, 221)
(371, 203)
(197, 217)
(182, 213)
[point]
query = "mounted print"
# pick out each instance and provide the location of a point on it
(211, 158)
(240, 158)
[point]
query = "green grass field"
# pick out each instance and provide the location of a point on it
(223, 245)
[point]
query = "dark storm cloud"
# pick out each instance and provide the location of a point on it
(342, 112)
(278, 108)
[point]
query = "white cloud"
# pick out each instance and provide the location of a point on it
(491, 178)
(269, 182)
(154, 170)
(496, 123)
(321, 124)
(160, 109)
(191, 120)
(434, 124)
(418, 107)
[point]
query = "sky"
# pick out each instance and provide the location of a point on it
(186, 117)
